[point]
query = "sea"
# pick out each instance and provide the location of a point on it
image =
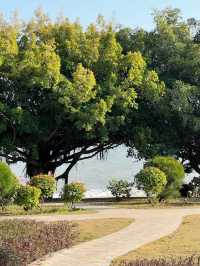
(95, 173)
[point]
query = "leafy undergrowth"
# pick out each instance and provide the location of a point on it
(184, 244)
(190, 261)
(23, 241)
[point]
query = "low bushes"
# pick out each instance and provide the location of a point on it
(190, 261)
(175, 174)
(27, 196)
(120, 188)
(46, 183)
(24, 241)
(152, 180)
(73, 193)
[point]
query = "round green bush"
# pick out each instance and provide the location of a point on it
(7, 178)
(174, 171)
(28, 197)
(45, 183)
(152, 180)
(73, 193)
(8, 183)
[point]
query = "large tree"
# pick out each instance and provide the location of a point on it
(173, 125)
(67, 94)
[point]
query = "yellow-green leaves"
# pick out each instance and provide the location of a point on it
(39, 65)
(84, 84)
(8, 43)
(139, 79)
(138, 66)
(152, 88)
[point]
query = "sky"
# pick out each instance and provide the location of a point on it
(133, 13)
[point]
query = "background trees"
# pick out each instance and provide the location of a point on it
(171, 126)
(67, 94)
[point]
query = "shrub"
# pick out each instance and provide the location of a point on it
(185, 261)
(28, 197)
(120, 188)
(31, 240)
(73, 193)
(45, 183)
(9, 258)
(152, 180)
(175, 174)
(8, 183)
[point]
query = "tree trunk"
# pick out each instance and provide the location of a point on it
(34, 168)
(65, 175)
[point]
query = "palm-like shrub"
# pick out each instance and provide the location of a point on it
(45, 183)
(175, 174)
(28, 197)
(152, 180)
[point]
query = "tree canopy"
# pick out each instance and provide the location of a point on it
(172, 125)
(67, 94)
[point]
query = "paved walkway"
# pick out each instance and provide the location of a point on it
(149, 225)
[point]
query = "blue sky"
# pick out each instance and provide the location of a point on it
(126, 12)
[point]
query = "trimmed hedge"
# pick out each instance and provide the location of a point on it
(28, 240)
(9, 258)
(189, 261)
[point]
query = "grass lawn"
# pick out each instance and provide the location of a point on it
(184, 242)
(92, 229)
(43, 210)
(143, 204)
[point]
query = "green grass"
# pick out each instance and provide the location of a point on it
(13, 210)
(185, 242)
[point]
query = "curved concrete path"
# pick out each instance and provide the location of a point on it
(149, 225)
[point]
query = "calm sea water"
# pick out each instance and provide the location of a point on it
(96, 173)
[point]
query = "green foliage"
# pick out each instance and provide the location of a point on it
(73, 193)
(45, 183)
(152, 180)
(67, 93)
(8, 183)
(28, 197)
(28, 240)
(172, 125)
(120, 188)
(174, 172)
